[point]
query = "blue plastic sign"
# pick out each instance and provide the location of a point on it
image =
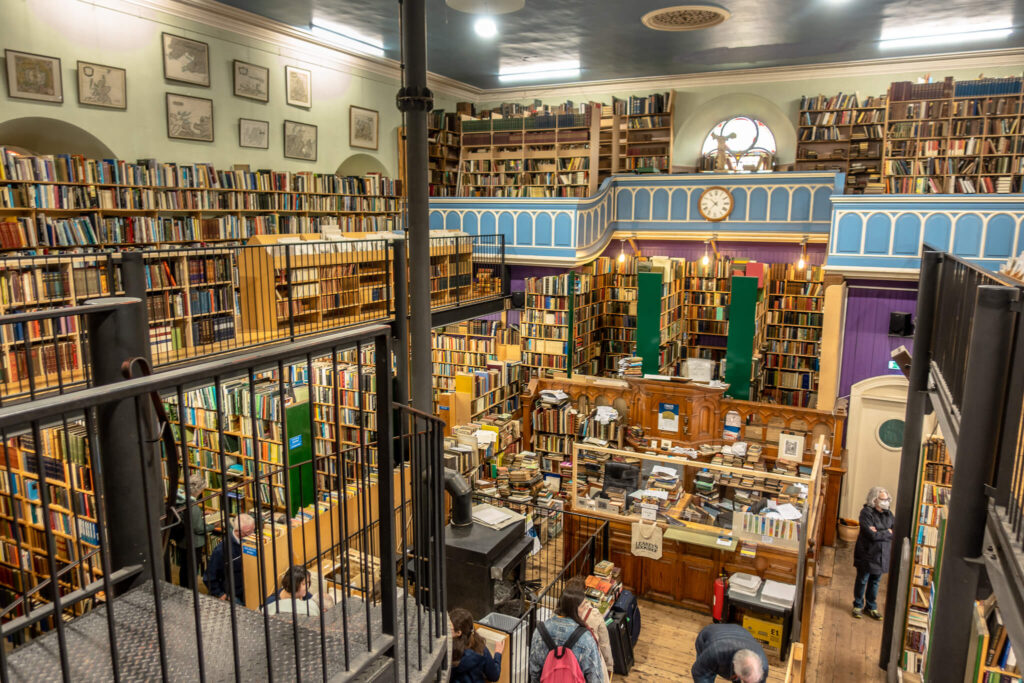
(295, 442)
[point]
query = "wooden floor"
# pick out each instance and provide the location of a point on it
(842, 648)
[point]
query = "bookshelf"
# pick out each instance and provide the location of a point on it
(190, 298)
(671, 325)
(994, 658)
(649, 133)
(442, 153)
(62, 200)
(793, 328)
(936, 479)
(619, 295)
(553, 431)
(587, 326)
(843, 133)
(706, 294)
(547, 323)
(493, 389)
(540, 155)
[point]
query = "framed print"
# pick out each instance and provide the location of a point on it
(33, 77)
(299, 141)
(185, 60)
(189, 118)
(298, 86)
(253, 133)
(252, 81)
(362, 127)
(102, 86)
(791, 447)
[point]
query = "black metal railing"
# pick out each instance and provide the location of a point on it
(112, 498)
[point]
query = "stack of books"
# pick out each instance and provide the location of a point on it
(604, 585)
(631, 366)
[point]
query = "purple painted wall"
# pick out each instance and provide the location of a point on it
(765, 252)
(866, 340)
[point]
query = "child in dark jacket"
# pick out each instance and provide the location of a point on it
(471, 662)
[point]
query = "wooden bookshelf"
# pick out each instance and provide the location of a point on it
(843, 133)
(64, 200)
(935, 485)
(586, 352)
(793, 329)
(671, 326)
(468, 346)
(706, 293)
(493, 389)
(442, 153)
(649, 133)
(619, 295)
(991, 655)
(547, 323)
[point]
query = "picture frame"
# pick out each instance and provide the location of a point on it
(33, 77)
(300, 140)
(185, 60)
(363, 127)
(100, 85)
(298, 87)
(251, 81)
(189, 118)
(254, 133)
(791, 447)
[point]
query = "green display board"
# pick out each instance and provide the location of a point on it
(740, 348)
(300, 452)
(648, 321)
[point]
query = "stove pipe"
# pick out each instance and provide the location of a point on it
(462, 497)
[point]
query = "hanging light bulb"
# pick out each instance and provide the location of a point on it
(802, 263)
(707, 259)
(622, 251)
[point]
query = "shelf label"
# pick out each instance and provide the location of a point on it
(295, 442)
(648, 512)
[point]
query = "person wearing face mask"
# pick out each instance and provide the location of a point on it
(871, 554)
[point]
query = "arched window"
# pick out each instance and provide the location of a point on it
(749, 146)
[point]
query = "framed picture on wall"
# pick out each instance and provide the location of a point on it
(363, 127)
(186, 60)
(791, 447)
(298, 86)
(299, 141)
(33, 77)
(251, 81)
(102, 86)
(189, 118)
(253, 133)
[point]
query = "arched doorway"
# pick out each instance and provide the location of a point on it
(361, 164)
(42, 135)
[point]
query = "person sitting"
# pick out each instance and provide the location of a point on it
(729, 651)
(471, 662)
(561, 628)
(595, 623)
(294, 595)
(229, 550)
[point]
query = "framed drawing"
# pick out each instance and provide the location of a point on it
(299, 141)
(33, 77)
(189, 118)
(251, 81)
(102, 86)
(298, 86)
(253, 133)
(362, 127)
(185, 60)
(791, 447)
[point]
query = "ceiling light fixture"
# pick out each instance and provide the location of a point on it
(347, 38)
(707, 259)
(622, 251)
(485, 27)
(930, 35)
(802, 263)
(486, 6)
(540, 71)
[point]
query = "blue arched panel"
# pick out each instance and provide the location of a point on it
(967, 236)
(695, 204)
(436, 220)
(779, 210)
(470, 223)
(906, 236)
(822, 209)
(739, 205)
(848, 233)
(877, 234)
(563, 230)
(642, 205)
(488, 223)
(542, 230)
(999, 236)
(451, 221)
(623, 204)
(800, 209)
(659, 210)
(679, 205)
(506, 227)
(603, 221)
(937, 229)
(758, 204)
(524, 229)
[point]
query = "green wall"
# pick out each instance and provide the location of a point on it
(128, 36)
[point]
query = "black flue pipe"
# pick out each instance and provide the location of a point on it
(462, 497)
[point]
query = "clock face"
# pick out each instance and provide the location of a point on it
(715, 204)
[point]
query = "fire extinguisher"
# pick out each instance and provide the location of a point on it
(718, 608)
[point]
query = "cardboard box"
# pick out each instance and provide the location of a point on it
(767, 630)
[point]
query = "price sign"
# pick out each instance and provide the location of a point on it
(648, 512)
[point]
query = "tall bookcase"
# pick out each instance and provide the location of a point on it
(467, 347)
(843, 133)
(935, 485)
(649, 134)
(706, 307)
(793, 328)
(659, 320)
(547, 325)
(190, 298)
(442, 153)
(617, 282)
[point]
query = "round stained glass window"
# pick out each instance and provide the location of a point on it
(749, 145)
(890, 434)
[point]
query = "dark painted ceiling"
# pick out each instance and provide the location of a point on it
(609, 41)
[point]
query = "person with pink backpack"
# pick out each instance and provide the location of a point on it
(563, 649)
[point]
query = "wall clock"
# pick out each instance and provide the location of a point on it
(715, 204)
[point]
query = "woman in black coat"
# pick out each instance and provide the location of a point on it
(871, 554)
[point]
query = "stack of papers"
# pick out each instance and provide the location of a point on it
(744, 584)
(494, 517)
(781, 594)
(554, 396)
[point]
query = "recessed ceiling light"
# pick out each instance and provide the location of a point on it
(932, 34)
(485, 27)
(347, 38)
(540, 71)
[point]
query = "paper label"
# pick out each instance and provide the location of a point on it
(724, 541)
(649, 512)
